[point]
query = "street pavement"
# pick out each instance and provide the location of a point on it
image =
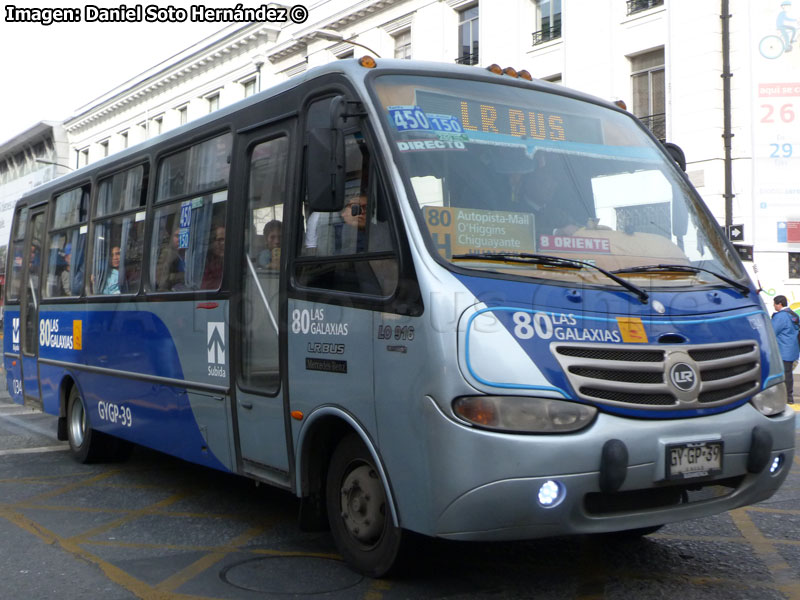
(157, 528)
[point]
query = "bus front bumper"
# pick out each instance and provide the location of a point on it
(491, 485)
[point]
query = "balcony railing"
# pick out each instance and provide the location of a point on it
(545, 35)
(657, 124)
(635, 6)
(468, 59)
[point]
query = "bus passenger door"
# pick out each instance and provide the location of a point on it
(29, 317)
(260, 414)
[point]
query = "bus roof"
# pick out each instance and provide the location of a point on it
(348, 67)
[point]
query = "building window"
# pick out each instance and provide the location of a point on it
(468, 36)
(104, 148)
(183, 115)
(143, 129)
(554, 79)
(635, 6)
(249, 87)
(83, 157)
(156, 125)
(402, 44)
(548, 21)
(123, 136)
(649, 92)
(213, 102)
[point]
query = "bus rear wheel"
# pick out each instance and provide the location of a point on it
(82, 438)
(86, 444)
(358, 511)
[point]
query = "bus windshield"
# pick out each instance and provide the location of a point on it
(501, 173)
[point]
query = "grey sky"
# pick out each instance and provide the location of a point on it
(48, 71)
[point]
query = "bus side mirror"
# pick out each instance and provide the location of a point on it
(325, 162)
(676, 152)
(680, 213)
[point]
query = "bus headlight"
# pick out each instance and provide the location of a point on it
(771, 401)
(523, 413)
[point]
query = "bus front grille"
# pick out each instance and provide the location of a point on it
(662, 377)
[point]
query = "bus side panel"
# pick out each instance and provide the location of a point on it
(144, 342)
(408, 357)
(330, 361)
(13, 366)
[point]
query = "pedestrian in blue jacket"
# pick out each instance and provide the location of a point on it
(786, 325)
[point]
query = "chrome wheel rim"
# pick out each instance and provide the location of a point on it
(77, 423)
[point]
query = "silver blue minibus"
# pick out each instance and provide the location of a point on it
(427, 299)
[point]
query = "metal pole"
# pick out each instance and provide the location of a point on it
(726, 110)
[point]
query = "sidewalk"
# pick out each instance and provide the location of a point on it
(5, 398)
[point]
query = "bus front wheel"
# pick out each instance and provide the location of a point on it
(358, 511)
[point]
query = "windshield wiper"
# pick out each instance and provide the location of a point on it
(741, 288)
(553, 261)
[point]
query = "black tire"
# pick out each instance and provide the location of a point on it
(83, 440)
(358, 511)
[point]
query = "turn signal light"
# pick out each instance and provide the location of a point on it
(367, 62)
(524, 413)
(478, 410)
(297, 415)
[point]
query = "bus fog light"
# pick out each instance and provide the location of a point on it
(551, 494)
(524, 414)
(776, 464)
(771, 401)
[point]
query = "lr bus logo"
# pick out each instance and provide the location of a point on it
(683, 376)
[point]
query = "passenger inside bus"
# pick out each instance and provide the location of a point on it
(212, 275)
(111, 285)
(270, 256)
(351, 231)
(171, 267)
(66, 286)
(350, 235)
(551, 193)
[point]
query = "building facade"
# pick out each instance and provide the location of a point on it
(27, 160)
(664, 58)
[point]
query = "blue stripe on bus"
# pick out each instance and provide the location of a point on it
(134, 341)
(733, 325)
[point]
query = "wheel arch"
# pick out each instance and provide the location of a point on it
(322, 431)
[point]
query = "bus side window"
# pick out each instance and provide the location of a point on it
(14, 274)
(262, 262)
(66, 246)
(189, 257)
(119, 238)
(187, 249)
(360, 230)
